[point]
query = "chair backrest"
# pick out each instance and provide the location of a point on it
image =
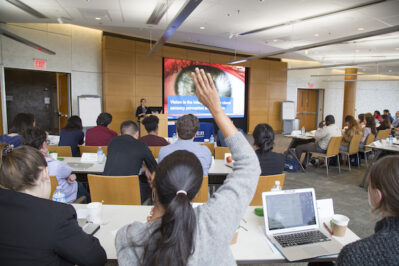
(383, 134)
(369, 140)
(155, 150)
(120, 190)
(333, 146)
(92, 149)
(354, 144)
(220, 151)
(265, 183)
(62, 151)
(211, 147)
(54, 184)
(202, 195)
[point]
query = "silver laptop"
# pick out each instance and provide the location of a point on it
(292, 225)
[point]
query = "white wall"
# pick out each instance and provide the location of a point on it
(78, 51)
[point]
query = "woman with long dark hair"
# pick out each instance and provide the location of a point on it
(369, 128)
(271, 163)
(20, 122)
(178, 234)
(385, 123)
(72, 135)
(352, 129)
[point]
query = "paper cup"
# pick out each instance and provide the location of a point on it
(53, 155)
(339, 224)
(94, 212)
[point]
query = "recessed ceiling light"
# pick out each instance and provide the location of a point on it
(360, 28)
(316, 35)
(357, 50)
(98, 18)
(397, 48)
(202, 27)
(275, 40)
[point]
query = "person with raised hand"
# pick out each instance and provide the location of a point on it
(178, 234)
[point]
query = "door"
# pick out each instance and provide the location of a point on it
(307, 108)
(62, 98)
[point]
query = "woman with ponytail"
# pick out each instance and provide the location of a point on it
(271, 163)
(178, 234)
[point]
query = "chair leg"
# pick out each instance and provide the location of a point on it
(365, 158)
(339, 164)
(358, 160)
(349, 164)
(327, 165)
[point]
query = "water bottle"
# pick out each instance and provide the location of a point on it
(211, 139)
(174, 137)
(276, 186)
(58, 195)
(303, 131)
(100, 155)
(390, 140)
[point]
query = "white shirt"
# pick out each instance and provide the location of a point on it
(323, 135)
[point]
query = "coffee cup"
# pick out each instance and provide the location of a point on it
(339, 224)
(53, 155)
(94, 212)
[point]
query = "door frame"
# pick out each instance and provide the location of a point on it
(320, 100)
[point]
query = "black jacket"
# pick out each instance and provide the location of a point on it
(271, 163)
(35, 231)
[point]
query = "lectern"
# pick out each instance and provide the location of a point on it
(162, 126)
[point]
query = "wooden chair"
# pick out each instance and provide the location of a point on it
(92, 149)
(62, 151)
(220, 151)
(54, 184)
(155, 150)
(265, 183)
(353, 149)
(202, 195)
(365, 150)
(383, 134)
(119, 190)
(332, 151)
(211, 147)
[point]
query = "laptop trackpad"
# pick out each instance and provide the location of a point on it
(315, 250)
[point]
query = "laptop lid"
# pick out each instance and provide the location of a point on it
(290, 210)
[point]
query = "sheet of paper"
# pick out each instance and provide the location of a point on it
(325, 209)
(89, 157)
(81, 213)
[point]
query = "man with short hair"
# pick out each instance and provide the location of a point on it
(187, 126)
(386, 112)
(323, 135)
(101, 134)
(126, 155)
(395, 122)
(151, 125)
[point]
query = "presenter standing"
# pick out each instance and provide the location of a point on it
(141, 111)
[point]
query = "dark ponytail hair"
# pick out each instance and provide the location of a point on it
(172, 243)
(263, 137)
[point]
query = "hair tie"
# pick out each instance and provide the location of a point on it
(181, 192)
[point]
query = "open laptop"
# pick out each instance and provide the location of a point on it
(292, 225)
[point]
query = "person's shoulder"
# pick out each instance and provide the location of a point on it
(131, 233)
(356, 251)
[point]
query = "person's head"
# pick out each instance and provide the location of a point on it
(370, 123)
(24, 169)
(385, 121)
(36, 138)
(377, 113)
(177, 181)
(360, 118)
(142, 101)
(330, 120)
(263, 137)
(351, 122)
(366, 115)
(386, 112)
(130, 128)
(21, 122)
(151, 124)
(384, 186)
(187, 126)
(397, 114)
(74, 122)
(104, 119)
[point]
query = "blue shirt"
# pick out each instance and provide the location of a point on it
(202, 152)
(15, 140)
(72, 138)
(395, 122)
(62, 171)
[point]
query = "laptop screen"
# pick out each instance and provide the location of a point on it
(290, 210)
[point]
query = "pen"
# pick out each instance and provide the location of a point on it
(328, 229)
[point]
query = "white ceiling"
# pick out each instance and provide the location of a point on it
(225, 18)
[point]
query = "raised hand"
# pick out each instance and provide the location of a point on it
(206, 91)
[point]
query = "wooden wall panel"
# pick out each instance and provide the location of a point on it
(129, 75)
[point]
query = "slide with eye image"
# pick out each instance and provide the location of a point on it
(179, 89)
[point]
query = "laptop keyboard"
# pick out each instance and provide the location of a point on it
(301, 238)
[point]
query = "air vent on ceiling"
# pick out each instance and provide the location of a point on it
(26, 8)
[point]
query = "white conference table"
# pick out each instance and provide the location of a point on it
(252, 246)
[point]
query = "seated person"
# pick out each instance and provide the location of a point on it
(178, 234)
(101, 134)
(186, 127)
(386, 112)
(271, 163)
(395, 122)
(72, 135)
(36, 138)
(21, 122)
(322, 136)
(385, 123)
(33, 229)
(381, 248)
(352, 129)
(377, 116)
(369, 128)
(361, 120)
(126, 155)
(152, 139)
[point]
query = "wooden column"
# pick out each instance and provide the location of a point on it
(349, 93)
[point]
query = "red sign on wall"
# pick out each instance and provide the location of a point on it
(39, 64)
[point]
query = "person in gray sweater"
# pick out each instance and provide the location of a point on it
(382, 248)
(176, 233)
